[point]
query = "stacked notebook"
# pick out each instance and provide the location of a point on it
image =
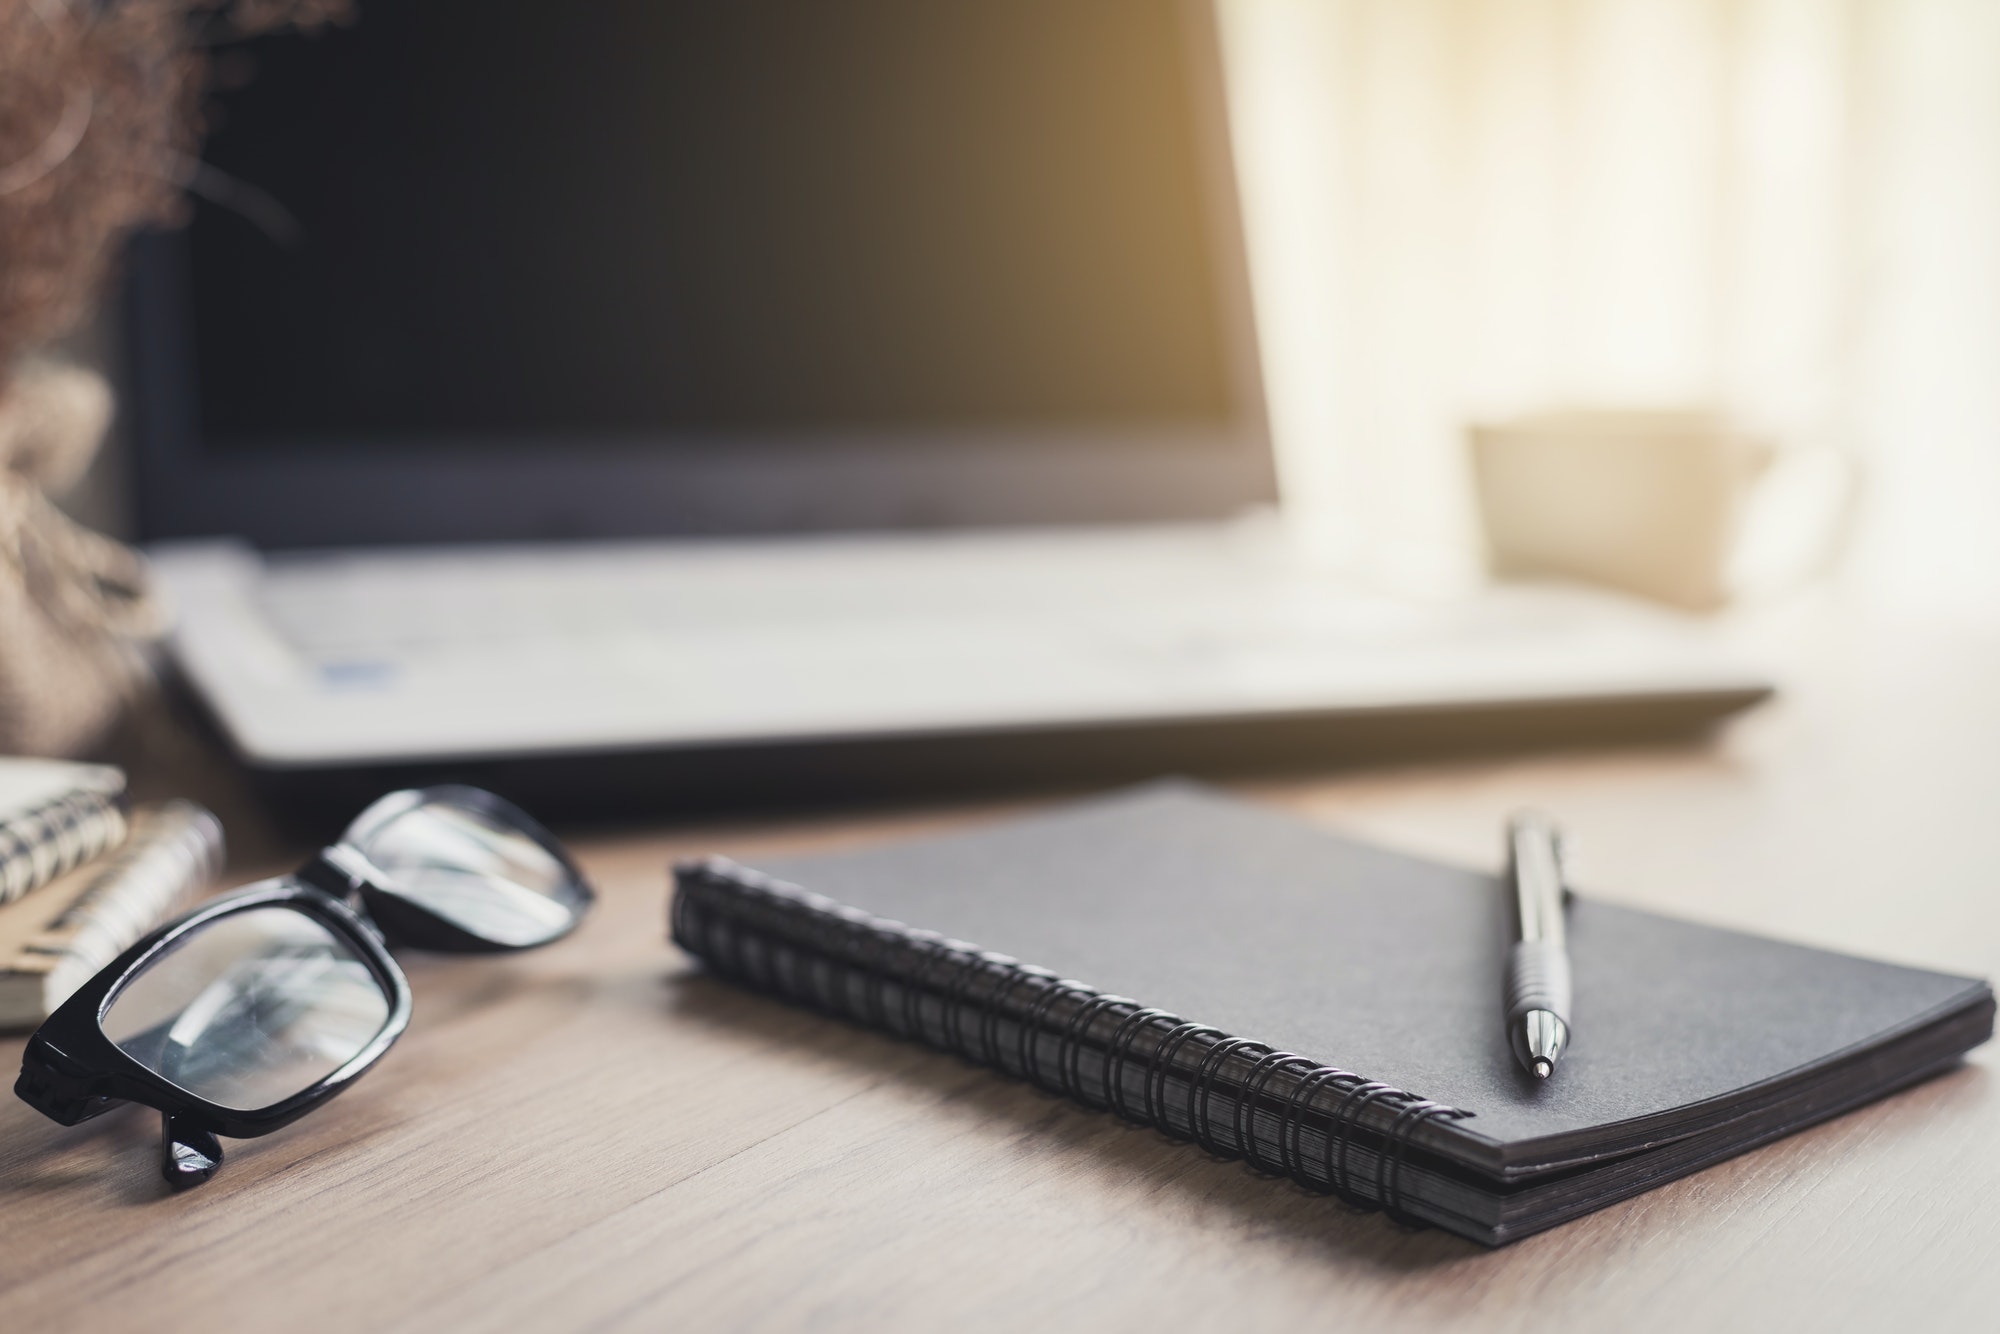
(1328, 1010)
(81, 879)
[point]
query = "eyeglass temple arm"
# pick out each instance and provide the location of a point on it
(189, 1155)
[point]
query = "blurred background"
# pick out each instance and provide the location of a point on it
(1463, 209)
(1467, 209)
(1460, 357)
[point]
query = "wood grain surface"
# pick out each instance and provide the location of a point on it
(594, 1136)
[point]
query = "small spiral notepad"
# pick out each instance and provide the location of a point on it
(55, 816)
(55, 939)
(1326, 1010)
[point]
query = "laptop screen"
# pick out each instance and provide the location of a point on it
(666, 228)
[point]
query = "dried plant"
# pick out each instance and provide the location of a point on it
(99, 124)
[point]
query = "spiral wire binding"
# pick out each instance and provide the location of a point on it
(43, 841)
(753, 929)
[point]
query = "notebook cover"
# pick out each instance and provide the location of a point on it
(1272, 928)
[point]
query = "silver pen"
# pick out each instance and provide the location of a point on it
(1538, 964)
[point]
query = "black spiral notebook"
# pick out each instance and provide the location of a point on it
(1326, 1009)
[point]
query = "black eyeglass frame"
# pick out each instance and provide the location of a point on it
(344, 871)
(72, 1071)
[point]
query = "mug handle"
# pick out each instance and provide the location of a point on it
(1797, 519)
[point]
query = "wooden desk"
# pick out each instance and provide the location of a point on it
(594, 1136)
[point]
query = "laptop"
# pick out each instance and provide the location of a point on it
(782, 392)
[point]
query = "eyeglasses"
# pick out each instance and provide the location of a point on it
(256, 1007)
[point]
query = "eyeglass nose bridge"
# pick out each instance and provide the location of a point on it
(341, 871)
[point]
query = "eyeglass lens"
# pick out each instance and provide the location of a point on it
(250, 1009)
(473, 870)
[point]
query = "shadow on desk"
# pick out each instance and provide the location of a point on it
(1226, 1192)
(172, 733)
(113, 1160)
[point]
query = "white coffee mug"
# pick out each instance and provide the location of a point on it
(1678, 505)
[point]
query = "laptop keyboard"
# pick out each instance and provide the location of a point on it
(518, 648)
(987, 616)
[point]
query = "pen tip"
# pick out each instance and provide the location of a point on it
(1544, 1067)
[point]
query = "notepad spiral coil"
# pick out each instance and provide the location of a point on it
(42, 842)
(1329, 1130)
